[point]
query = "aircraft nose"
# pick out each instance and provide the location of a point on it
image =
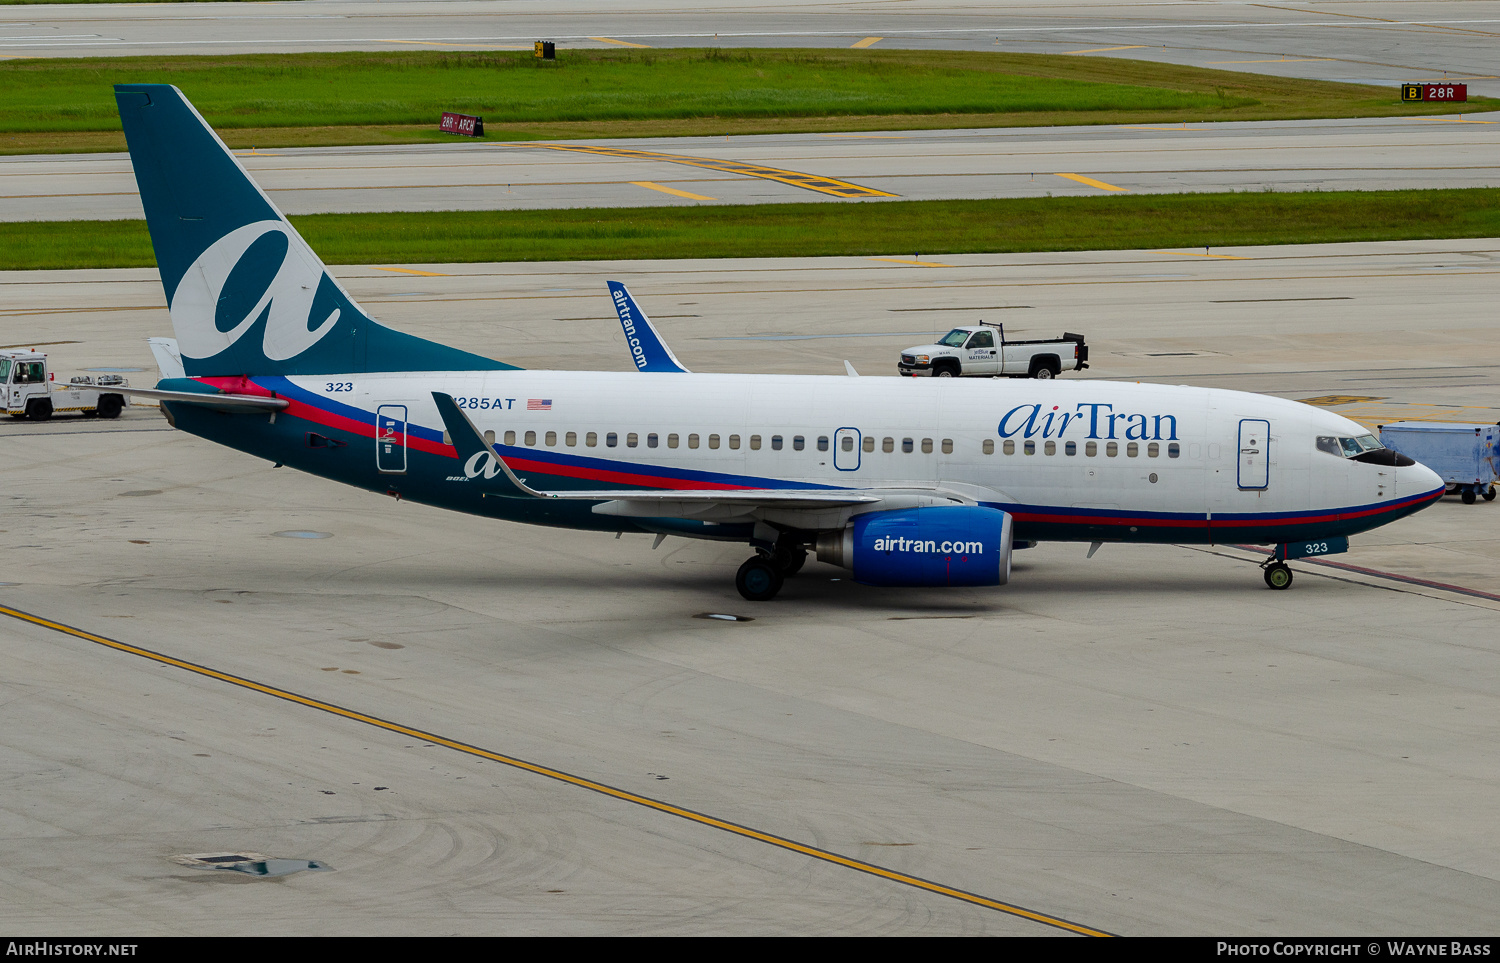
(1419, 479)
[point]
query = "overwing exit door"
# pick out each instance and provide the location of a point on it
(846, 449)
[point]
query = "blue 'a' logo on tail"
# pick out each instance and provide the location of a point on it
(246, 293)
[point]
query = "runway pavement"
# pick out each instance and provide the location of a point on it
(1370, 154)
(1148, 741)
(1366, 41)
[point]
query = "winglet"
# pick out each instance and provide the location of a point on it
(480, 461)
(647, 349)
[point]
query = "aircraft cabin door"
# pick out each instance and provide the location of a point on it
(846, 445)
(390, 439)
(1255, 452)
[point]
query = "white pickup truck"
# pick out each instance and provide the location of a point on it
(981, 351)
(28, 391)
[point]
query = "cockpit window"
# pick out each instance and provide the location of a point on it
(1348, 447)
(954, 338)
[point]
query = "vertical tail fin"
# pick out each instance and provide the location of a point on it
(648, 349)
(246, 293)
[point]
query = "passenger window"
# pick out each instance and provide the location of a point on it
(1010, 446)
(869, 443)
(989, 446)
(734, 441)
(1071, 448)
(632, 439)
(823, 442)
(591, 439)
(798, 443)
(847, 443)
(755, 442)
(571, 439)
(489, 439)
(651, 440)
(1029, 447)
(926, 446)
(908, 446)
(1050, 448)
(1132, 450)
(1091, 448)
(1112, 448)
(713, 441)
(1172, 450)
(672, 441)
(775, 442)
(611, 440)
(692, 441)
(1153, 450)
(551, 439)
(888, 445)
(530, 438)
(510, 438)
(947, 446)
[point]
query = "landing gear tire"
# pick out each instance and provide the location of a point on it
(790, 563)
(1489, 494)
(1468, 496)
(758, 580)
(1278, 576)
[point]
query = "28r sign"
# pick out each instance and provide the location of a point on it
(1452, 93)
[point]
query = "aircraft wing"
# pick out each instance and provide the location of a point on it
(647, 349)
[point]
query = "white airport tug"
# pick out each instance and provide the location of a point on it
(27, 389)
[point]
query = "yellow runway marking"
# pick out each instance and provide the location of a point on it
(650, 185)
(1096, 50)
(1459, 120)
(810, 182)
(1226, 257)
(602, 788)
(871, 136)
(622, 43)
(867, 42)
(904, 260)
(425, 274)
(1143, 127)
(1091, 182)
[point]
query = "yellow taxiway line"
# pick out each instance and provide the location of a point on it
(867, 42)
(1096, 50)
(658, 805)
(622, 43)
(810, 182)
(653, 186)
(1091, 182)
(424, 274)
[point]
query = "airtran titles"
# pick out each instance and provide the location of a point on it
(1097, 420)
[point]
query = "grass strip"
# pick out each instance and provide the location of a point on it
(895, 228)
(282, 100)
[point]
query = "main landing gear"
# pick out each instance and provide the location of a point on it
(762, 576)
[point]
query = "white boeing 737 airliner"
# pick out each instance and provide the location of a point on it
(909, 482)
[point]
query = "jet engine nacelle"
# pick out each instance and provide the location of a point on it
(958, 545)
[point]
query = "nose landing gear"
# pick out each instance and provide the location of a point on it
(1278, 574)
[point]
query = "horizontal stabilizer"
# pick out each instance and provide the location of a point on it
(217, 401)
(647, 349)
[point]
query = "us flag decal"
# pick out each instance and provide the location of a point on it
(538, 404)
